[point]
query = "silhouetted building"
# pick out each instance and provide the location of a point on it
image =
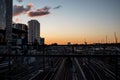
(20, 34)
(34, 31)
(5, 20)
(69, 43)
(42, 41)
(2, 14)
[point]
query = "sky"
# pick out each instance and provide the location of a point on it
(74, 21)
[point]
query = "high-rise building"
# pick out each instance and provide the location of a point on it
(6, 20)
(42, 41)
(2, 14)
(33, 31)
(20, 33)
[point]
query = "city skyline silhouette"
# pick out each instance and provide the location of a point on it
(59, 40)
(71, 21)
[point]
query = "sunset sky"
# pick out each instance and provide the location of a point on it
(72, 21)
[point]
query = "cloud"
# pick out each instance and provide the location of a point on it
(18, 20)
(57, 7)
(19, 0)
(39, 12)
(30, 5)
(17, 10)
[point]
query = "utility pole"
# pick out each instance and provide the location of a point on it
(8, 37)
(116, 41)
(106, 39)
(8, 23)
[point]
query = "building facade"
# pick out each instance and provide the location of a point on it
(33, 31)
(20, 33)
(2, 14)
(42, 41)
(5, 21)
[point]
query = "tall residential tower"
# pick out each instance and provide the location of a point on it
(33, 31)
(6, 20)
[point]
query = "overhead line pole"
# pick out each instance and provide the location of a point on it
(8, 37)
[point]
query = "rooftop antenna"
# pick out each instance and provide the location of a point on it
(116, 41)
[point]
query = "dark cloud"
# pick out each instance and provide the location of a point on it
(57, 7)
(17, 10)
(39, 12)
(19, 0)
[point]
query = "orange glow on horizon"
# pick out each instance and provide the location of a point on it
(76, 41)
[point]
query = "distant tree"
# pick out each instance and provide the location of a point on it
(54, 44)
